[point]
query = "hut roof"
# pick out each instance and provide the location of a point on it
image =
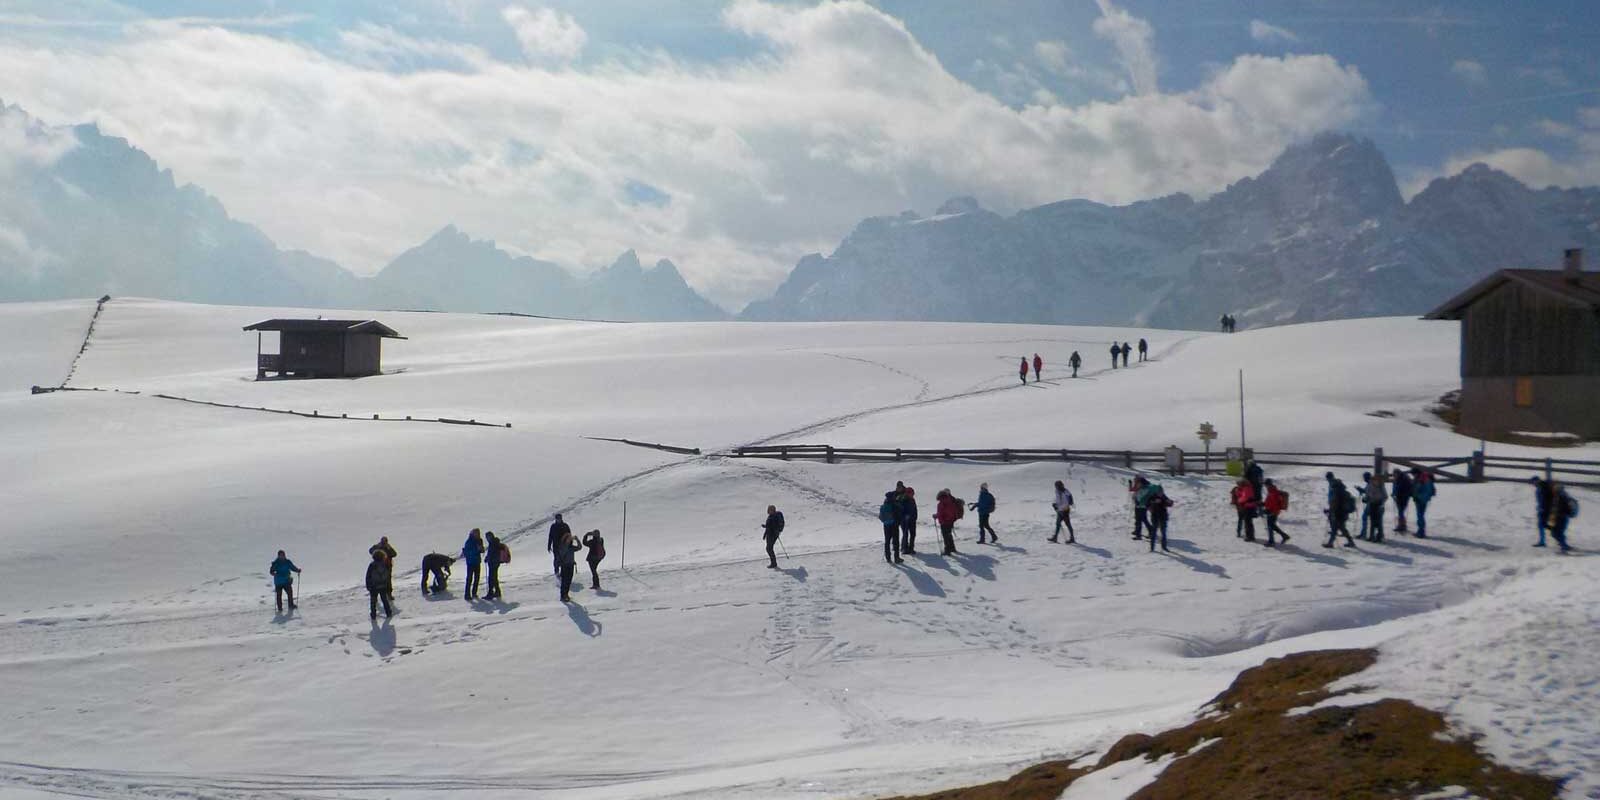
(362, 326)
(1583, 291)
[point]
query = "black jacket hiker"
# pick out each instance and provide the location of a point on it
(437, 566)
(597, 553)
(379, 587)
(558, 529)
(770, 531)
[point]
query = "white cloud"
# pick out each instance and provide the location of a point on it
(1053, 55)
(1134, 40)
(841, 114)
(25, 144)
(546, 34)
(1267, 33)
(1555, 130)
(1470, 71)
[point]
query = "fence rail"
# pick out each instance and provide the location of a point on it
(1475, 467)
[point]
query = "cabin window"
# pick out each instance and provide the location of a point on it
(1524, 393)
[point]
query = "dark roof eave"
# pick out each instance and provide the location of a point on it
(1577, 295)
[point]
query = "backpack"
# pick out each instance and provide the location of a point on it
(599, 549)
(1566, 505)
(1347, 504)
(779, 527)
(1285, 495)
(505, 553)
(961, 507)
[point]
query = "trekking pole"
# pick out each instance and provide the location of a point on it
(785, 549)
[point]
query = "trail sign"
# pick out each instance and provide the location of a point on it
(1206, 432)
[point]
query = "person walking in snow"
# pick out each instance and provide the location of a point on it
(567, 548)
(985, 507)
(1422, 491)
(1562, 509)
(472, 551)
(493, 552)
(1022, 371)
(770, 530)
(1223, 323)
(597, 553)
(1144, 350)
(1075, 361)
(1157, 506)
(1125, 351)
(908, 519)
(1116, 353)
(383, 545)
(379, 587)
(1276, 503)
(1257, 479)
(282, 572)
(1038, 365)
(1543, 496)
(1403, 487)
(1063, 506)
(558, 528)
(438, 566)
(1340, 504)
(946, 513)
(889, 515)
(1375, 497)
(1142, 492)
(1244, 501)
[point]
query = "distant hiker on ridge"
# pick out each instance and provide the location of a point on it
(1075, 361)
(558, 529)
(1038, 364)
(472, 551)
(1022, 371)
(889, 515)
(597, 553)
(283, 580)
(438, 566)
(1063, 506)
(379, 586)
(1125, 351)
(985, 507)
(770, 531)
(1144, 350)
(1116, 352)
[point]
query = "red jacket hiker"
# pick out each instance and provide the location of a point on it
(1023, 370)
(1277, 501)
(1244, 496)
(948, 509)
(1038, 364)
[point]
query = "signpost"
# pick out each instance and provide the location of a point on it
(1206, 434)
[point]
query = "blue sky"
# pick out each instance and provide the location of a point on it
(733, 137)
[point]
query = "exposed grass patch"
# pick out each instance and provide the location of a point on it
(1386, 749)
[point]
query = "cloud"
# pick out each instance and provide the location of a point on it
(1470, 71)
(1267, 33)
(1580, 166)
(1549, 75)
(838, 113)
(26, 144)
(1134, 40)
(546, 34)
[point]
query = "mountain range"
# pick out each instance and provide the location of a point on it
(1323, 233)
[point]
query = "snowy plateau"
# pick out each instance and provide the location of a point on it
(140, 655)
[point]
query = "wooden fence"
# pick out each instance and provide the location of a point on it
(1475, 467)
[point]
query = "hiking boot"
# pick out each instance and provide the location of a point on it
(1052, 538)
(1541, 544)
(899, 561)
(1164, 549)
(772, 566)
(1072, 541)
(1328, 545)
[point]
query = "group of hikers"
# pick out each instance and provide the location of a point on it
(1253, 496)
(1124, 349)
(1229, 324)
(1118, 351)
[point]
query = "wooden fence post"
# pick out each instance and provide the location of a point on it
(1549, 471)
(897, 455)
(1377, 462)
(1475, 469)
(1005, 454)
(1127, 458)
(830, 454)
(783, 453)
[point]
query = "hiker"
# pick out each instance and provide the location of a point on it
(1403, 487)
(1257, 479)
(566, 550)
(985, 507)
(379, 573)
(889, 515)
(1038, 365)
(1340, 504)
(1563, 507)
(948, 511)
(1157, 505)
(282, 570)
(1223, 321)
(1139, 489)
(908, 518)
(493, 553)
(1422, 491)
(770, 531)
(1125, 351)
(1116, 352)
(1244, 501)
(472, 551)
(1075, 361)
(1144, 350)
(1063, 507)
(597, 553)
(1022, 371)
(1542, 497)
(1277, 502)
(388, 549)
(558, 529)
(1372, 517)
(439, 567)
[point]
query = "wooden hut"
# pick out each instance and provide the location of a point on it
(322, 348)
(1530, 351)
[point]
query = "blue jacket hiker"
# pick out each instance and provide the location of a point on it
(472, 552)
(889, 515)
(283, 580)
(985, 507)
(1422, 491)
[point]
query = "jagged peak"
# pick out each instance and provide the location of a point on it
(961, 204)
(666, 268)
(627, 262)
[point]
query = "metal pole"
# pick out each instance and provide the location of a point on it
(1241, 410)
(624, 535)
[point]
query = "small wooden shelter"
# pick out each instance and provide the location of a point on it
(1530, 351)
(322, 348)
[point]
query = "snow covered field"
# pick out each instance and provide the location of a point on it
(141, 658)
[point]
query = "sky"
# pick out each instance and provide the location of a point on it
(734, 137)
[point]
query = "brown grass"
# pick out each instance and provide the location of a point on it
(1386, 749)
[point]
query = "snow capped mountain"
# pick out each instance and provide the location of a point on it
(1321, 234)
(85, 214)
